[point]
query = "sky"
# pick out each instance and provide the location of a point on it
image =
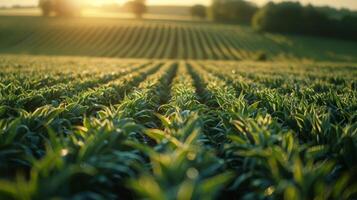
(351, 4)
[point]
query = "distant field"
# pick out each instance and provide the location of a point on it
(161, 39)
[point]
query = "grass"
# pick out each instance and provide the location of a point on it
(174, 129)
(160, 39)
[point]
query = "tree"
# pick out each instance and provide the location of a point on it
(60, 7)
(138, 7)
(283, 17)
(199, 11)
(236, 11)
(46, 7)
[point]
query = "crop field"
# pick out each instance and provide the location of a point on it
(107, 108)
(105, 128)
(162, 40)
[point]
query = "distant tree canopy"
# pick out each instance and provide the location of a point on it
(46, 6)
(236, 11)
(291, 17)
(288, 17)
(199, 11)
(138, 7)
(60, 7)
(336, 13)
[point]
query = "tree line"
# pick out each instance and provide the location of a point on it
(284, 17)
(292, 17)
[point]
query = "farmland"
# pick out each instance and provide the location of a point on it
(127, 109)
(165, 129)
(162, 40)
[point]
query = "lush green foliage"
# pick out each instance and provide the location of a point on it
(161, 39)
(292, 17)
(199, 11)
(127, 129)
(234, 11)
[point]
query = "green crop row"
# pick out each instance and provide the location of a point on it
(177, 130)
